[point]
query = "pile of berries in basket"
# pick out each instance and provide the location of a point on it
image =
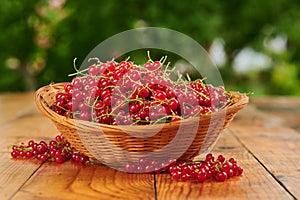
(124, 93)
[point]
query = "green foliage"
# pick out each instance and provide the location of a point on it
(39, 39)
(284, 79)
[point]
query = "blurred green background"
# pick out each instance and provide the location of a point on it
(255, 43)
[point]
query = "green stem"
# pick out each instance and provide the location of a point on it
(77, 71)
(149, 57)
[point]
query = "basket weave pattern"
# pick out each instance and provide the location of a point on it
(96, 144)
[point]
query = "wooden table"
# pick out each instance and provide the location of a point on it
(264, 137)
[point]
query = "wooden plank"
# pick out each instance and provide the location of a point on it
(255, 183)
(277, 102)
(14, 105)
(19, 122)
(252, 116)
(277, 149)
(31, 126)
(73, 181)
(14, 173)
(286, 108)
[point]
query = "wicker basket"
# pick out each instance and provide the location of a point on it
(111, 143)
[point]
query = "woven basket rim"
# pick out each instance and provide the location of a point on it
(240, 101)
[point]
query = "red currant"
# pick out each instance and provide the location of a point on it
(221, 176)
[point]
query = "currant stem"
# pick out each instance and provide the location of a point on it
(149, 57)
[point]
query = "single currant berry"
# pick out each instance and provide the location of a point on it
(52, 153)
(22, 154)
(130, 168)
(68, 87)
(154, 163)
(201, 176)
(134, 108)
(70, 106)
(221, 176)
(75, 157)
(77, 83)
(237, 170)
(59, 138)
(184, 177)
(174, 104)
(59, 159)
(229, 173)
(221, 158)
(14, 147)
(143, 161)
(31, 143)
(104, 93)
(149, 168)
(84, 159)
(170, 93)
(103, 83)
(148, 66)
(156, 65)
(186, 169)
(144, 92)
(95, 92)
(176, 175)
(43, 143)
(15, 154)
(29, 154)
(83, 107)
(232, 160)
(43, 157)
(194, 175)
(111, 66)
(134, 75)
(226, 166)
(209, 157)
(41, 148)
(107, 100)
(93, 70)
(160, 95)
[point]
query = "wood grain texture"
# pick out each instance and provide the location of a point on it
(23, 129)
(14, 173)
(20, 121)
(277, 149)
(271, 112)
(14, 105)
(73, 181)
(32, 125)
(256, 182)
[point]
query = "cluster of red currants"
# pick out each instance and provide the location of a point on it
(209, 169)
(58, 150)
(125, 93)
(145, 165)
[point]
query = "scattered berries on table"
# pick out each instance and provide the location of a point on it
(57, 150)
(199, 171)
(208, 169)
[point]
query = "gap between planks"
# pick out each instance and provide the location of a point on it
(271, 138)
(248, 186)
